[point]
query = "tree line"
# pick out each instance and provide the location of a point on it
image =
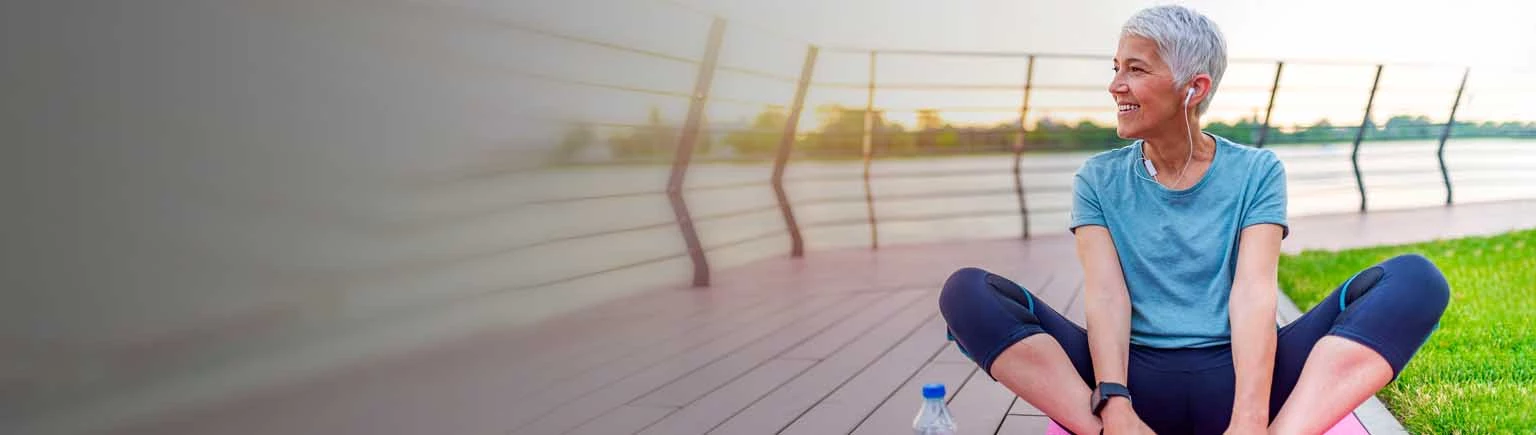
(840, 134)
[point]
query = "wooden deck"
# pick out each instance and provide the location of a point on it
(837, 342)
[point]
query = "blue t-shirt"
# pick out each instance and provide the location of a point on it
(1178, 248)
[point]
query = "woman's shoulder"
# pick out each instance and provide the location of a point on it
(1242, 152)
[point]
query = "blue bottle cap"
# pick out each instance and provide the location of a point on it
(933, 391)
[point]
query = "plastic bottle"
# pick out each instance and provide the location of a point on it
(934, 418)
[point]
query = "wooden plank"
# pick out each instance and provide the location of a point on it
(895, 414)
(746, 391)
(1023, 425)
(981, 404)
(468, 379)
(623, 420)
(460, 389)
(555, 341)
(688, 389)
(1020, 407)
(823, 345)
(1063, 287)
(533, 405)
(951, 354)
(621, 341)
(599, 401)
(851, 403)
(1038, 280)
(704, 414)
(780, 408)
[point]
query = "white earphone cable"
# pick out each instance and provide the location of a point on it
(1187, 160)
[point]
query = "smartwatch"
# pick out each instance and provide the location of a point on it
(1104, 392)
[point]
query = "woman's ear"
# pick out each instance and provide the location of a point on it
(1199, 90)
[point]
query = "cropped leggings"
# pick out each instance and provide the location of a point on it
(1391, 308)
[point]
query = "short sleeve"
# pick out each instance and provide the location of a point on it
(1267, 205)
(1085, 204)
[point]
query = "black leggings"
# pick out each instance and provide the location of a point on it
(1391, 307)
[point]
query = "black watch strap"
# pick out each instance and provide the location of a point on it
(1105, 391)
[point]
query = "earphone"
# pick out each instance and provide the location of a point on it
(1187, 96)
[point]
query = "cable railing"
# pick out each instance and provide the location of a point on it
(873, 140)
(687, 137)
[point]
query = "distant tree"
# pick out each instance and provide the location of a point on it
(762, 137)
(1320, 131)
(1408, 126)
(576, 139)
(896, 141)
(842, 131)
(1223, 129)
(654, 140)
(928, 119)
(1093, 135)
(948, 140)
(1245, 130)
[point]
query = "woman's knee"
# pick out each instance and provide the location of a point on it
(1398, 314)
(961, 289)
(985, 313)
(1424, 280)
(965, 276)
(971, 290)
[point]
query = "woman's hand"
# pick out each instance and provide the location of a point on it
(1119, 418)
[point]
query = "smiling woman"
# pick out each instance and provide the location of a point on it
(1179, 236)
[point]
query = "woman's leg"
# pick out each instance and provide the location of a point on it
(1354, 342)
(1023, 343)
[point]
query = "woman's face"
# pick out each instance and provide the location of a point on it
(1143, 89)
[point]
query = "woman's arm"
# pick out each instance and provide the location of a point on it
(1108, 309)
(1251, 309)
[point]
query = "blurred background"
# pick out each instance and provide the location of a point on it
(203, 198)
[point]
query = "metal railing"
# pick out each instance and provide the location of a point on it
(869, 147)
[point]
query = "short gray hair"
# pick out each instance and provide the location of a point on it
(1189, 42)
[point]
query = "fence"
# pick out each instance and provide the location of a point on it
(1016, 139)
(269, 191)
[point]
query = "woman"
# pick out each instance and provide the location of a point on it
(1179, 237)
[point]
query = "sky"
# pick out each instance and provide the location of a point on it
(1437, 37)
(1481, 32)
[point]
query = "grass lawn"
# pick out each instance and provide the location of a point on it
(1477, 373)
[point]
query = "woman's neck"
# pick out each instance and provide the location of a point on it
(1169, 149)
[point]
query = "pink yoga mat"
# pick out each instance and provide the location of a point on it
(1348, 426)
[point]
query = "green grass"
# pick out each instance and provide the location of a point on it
(1477, 373)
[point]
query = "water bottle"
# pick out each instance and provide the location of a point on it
(934, 418)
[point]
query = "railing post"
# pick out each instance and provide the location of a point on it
(1273, 89)
(685, 143)
(786, 142)
(1018, 146)
(869, 126)
(1354, 156)
(1446, 134)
